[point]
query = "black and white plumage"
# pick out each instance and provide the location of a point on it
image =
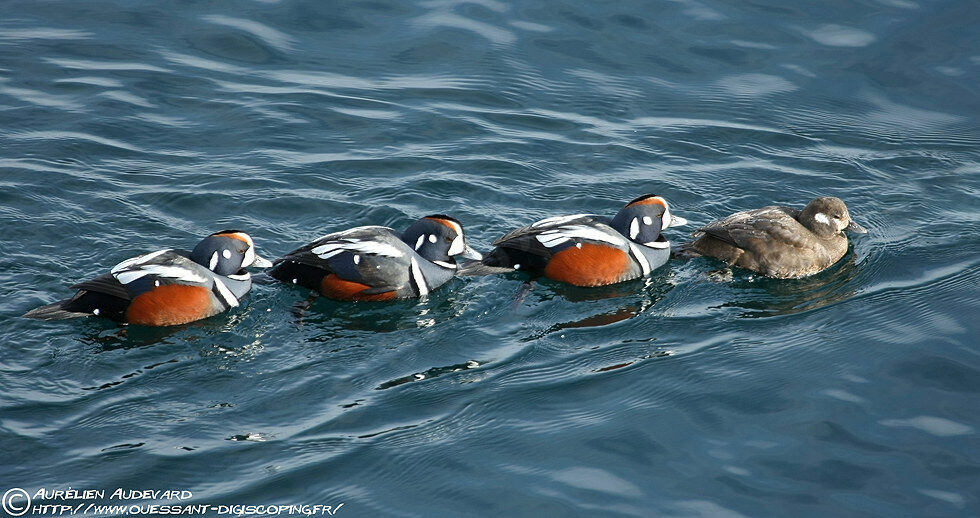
(166, 287)
(375, 263)
(585, 249)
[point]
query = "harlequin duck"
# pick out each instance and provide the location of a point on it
(166, 287)
(375, 263)
(585, 249)
(779, 242)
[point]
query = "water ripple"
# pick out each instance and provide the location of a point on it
(129, 128)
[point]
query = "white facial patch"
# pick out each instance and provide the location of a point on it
(634, 228)
(213, 262)
(418, 244)
(432, 238)
(822, 218)
(457, 246)
(840, 224)
(249, 256)
(226, 253)
(647, 220)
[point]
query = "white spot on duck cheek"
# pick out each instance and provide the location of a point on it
(822, 218)
(647, 220)
(634, 228)
(432, 238)
(457, 247)
(226, 253)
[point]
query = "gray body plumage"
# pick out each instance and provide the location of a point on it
(780, 242)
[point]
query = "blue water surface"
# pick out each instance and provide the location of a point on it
(127, 127)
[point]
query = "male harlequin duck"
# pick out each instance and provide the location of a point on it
(166, 287)
(779, 242)
(375, 263)
(588, 250)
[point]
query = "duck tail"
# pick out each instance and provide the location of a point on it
(496, 262)
(55, 311)
(684, 251)
(471, 268)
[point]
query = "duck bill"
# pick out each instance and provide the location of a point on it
(676, 221)
(469, 253)
(260, 262)
(854, 227)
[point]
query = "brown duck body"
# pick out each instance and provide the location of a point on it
(779, 242)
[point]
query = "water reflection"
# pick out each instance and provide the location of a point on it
(434, 372)
(125, 337)
(765, 297)
(636, 296)
(342, 318)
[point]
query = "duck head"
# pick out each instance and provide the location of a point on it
(228, 253)
(828, 216)
(643, 219)
(439, 238)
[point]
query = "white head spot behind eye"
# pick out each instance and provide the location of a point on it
(822, 218)
(226, 253)
(647, 220)
(432, 238)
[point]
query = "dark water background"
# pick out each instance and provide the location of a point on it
(127, 127)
